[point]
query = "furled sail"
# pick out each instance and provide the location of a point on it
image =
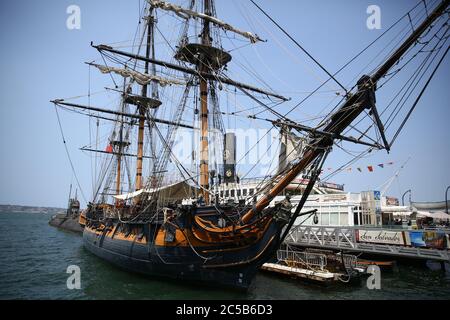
(175, 191)
(186, 14)
(291, 148)
(141, 78)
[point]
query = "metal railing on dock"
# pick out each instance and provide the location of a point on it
(307, 259)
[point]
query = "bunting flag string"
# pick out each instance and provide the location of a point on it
(369, 168)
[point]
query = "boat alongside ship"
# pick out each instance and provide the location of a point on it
(69, 220)
(189, 230)
(63, 222)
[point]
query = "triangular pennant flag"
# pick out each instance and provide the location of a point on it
(381, 165)
(370, 168)
(359, 169)
(390, 163)
(109, 149)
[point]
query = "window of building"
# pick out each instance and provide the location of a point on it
(343, 219)
(245, 192)
(356, 218)
(325, 218)
(334, 218)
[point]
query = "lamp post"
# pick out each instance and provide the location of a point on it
(403, 197)
(446, 201)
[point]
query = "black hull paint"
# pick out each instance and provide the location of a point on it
(182, 263)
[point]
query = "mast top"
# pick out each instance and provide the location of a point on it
(197, 54)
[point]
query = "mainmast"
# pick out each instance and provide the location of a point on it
(204, 148)
(119, 158)
(120, 146)
(142, 108)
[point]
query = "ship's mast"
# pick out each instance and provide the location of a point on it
(120, 150)
(119, 161)
(204, 150)
(155, 94)
(142, 108)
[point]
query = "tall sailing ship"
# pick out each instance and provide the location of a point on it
(183, 229)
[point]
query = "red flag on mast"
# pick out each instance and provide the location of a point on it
(109, 149)
(370, 168)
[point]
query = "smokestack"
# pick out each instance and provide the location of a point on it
(229, 158)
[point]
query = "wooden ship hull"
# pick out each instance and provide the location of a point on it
(185, 254)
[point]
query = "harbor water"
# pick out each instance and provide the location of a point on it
(34, 258)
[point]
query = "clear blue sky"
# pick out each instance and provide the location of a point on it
(41, 60)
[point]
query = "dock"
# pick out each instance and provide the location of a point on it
(323, 267)
(321, 276)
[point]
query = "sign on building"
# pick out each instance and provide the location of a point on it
(381, 236)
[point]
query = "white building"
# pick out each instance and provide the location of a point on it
(352, 209)
(335, 207)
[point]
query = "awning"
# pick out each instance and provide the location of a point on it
(401, 209)
(175, 191)
(440, 205)
(434, 215)
(130, 195)
(401, 213)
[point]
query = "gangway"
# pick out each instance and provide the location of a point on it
(345, 238)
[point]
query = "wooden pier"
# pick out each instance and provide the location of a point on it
(313, 266)
(322, 276)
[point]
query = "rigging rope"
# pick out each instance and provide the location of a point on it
(68, 154)
(298, 45)
(349, 62)
(419, 96)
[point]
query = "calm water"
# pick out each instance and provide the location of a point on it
(34, 258)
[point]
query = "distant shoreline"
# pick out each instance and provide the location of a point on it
(9, 208)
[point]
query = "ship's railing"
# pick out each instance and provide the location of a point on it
(306, 259)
